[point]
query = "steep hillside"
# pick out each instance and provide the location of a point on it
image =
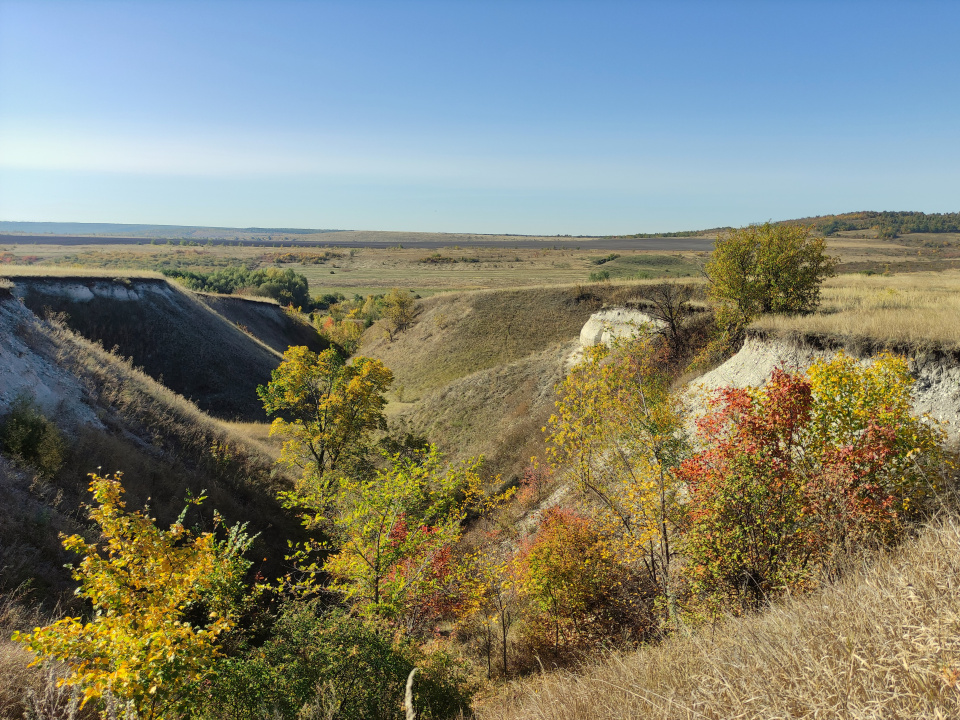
(457, 334)
(116, 418)
(169, 332)
(266, 321)
(497, 413)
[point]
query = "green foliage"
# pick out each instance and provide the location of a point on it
(285, 286)
(599, 275)
(890, 224)
(398, 310)
(28, 436)
(331, 664)
(161, 599)
(394, 534)
(767, 268)
(604, 259)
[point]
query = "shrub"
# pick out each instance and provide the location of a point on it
(31, 438)
(794, 470)
(326, 660)
(768, 268)
(573, 586)
(162, 598)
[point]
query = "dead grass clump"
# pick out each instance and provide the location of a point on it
(917, 308)
(882, 643)
(16, 678)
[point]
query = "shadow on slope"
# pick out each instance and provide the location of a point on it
(266, 320)
(176, 339)
(117, 418)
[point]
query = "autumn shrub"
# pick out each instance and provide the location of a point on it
(328, 661)
(576, 591)
(618, 437)
(29, 437)
(791, 472)
(161, 599)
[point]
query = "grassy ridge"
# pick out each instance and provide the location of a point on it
(173, 336)
(457, 334)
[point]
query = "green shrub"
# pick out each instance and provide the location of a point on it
(30, 438)
(329, 664)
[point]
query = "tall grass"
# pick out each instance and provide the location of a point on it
(920, 308)
(882, 643)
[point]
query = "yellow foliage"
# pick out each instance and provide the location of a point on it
(143, 582)
(617, 434)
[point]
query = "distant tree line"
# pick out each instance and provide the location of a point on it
(890, 224)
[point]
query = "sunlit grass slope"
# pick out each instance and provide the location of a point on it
(883, 643)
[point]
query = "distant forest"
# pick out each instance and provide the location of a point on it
(888, 224)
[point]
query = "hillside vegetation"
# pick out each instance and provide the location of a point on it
(616, 552)
(176, 336)
(881, 643)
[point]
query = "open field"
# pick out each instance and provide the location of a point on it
(432, 263)
(920, 308)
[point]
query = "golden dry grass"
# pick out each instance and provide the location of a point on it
(882, 643)
(919, 308)
(23, 271)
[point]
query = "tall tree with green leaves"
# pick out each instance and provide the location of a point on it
(768, 269)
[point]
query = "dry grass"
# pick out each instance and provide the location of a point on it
(86, 273)
(883, 643)
(457, 334)
(918, 308)
(498, 413)
(15, 677)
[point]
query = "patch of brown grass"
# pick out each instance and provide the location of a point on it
(918, 308)
(882, 643)
(457, 334)
(16, 678)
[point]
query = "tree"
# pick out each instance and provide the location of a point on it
(161, 598)
(618, 435)
(394, 533)
(398, 309)
(486, 599)
(326, 410)
(800, 467)
(768, 268)
(670, 305)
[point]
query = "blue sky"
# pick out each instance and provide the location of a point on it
(524, 117)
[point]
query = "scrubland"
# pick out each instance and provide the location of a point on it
(476, 373)
(884, 642)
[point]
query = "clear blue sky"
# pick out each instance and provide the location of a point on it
(525, 117)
